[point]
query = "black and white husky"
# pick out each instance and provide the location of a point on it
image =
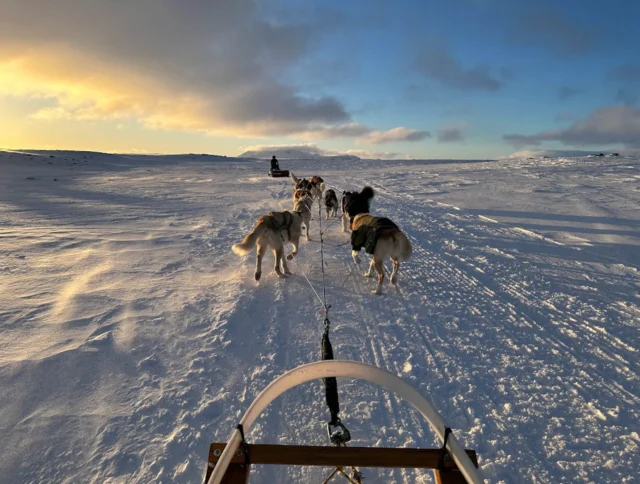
(354, 203)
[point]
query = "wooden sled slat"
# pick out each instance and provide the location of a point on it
(305, 455)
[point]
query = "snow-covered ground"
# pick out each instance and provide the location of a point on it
(131, 337)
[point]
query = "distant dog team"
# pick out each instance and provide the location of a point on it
(379, 236)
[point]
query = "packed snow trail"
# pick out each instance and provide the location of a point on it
(131, 337)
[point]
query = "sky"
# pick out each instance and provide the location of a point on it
(463, 79)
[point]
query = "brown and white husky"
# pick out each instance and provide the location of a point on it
(303, 205)
(314, 186)
(272, 231)
(384, 240)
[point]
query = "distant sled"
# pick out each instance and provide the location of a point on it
(279, 173)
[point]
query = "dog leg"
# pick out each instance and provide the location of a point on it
(295, 243)
(277, 253)
(344, 226)
(356, 257)
(394, 274)
(258, 272)
(380, 271)
(283, 261)
(306, 228)
(369, 273)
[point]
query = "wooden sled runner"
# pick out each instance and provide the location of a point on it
(279, 173)
(230, 463)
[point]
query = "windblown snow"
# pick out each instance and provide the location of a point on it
(131, 336)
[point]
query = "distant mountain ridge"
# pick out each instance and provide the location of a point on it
(293, 154)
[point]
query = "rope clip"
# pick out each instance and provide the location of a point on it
(338, 433)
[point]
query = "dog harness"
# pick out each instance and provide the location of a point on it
(286, 222)
(367, 234)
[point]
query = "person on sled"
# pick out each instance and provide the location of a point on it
(275, 166)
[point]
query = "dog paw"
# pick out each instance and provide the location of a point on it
(393, 280)
(377, 292)
(356, 259)
(290, 257)
(368, 274)
(257, 275)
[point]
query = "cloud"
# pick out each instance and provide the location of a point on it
(363, 133)
(627, 73)
(438, 63)
(547, 28)
(310, 150)
(566, 92)
(453, 133)
(204, 66)
(378, 155)
(549, 153)
(604, 126)
(396, 134)
(348, 130)
(283, 151)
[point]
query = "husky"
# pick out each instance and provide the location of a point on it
(303, 205)
(300, 183)
(315, 186)
(331, 203)
(354, 203)
(299, 194)
(317, 183)
(384, 240)
(272, 231)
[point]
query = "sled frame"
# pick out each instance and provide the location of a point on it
(468, 470)
(339, 457)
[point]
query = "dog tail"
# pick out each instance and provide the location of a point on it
(367, 192)
(249, 242)
(405, 247)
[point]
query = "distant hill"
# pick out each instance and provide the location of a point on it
(557, 153)
(294, 153)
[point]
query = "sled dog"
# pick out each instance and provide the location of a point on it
(272, 231)
(354, 203)
(331, 203)
(317, 183)
(303, 205)
(384, 240)
(315, 186)
(300, 194)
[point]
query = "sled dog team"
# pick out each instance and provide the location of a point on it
(379, 236)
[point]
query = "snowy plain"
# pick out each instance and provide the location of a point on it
(131, 336)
